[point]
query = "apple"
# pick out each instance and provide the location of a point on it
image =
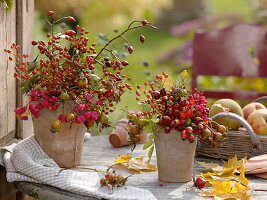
(249, 108)
(226, 105)
(257, 120)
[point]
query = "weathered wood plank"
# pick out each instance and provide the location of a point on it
(25, 27)
(7, 82)
(98, 153)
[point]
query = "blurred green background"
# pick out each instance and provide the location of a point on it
(159, 52)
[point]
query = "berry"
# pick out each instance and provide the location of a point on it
(89, 124)
(144, 22)
(156, 95)
(191, 137)
(110, 177)
(103, 182)
(200, 183)
(166, 120)
(120, 179)
(64, 96)
(70, 32)
(221, 128)
(167, 129)
(34, 42)
(134, 130)
(50, 13)
(124, 63)
(71, 19)
(163, 92)
(183, 135)
(70, 117)
(55, 125)
(130, 49)
(189, 129)
(142, 39)
(135, 139)
(217, 137)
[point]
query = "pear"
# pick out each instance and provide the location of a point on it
(226, 105)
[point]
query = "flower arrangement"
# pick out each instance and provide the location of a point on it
(169, 107)
(71, 70)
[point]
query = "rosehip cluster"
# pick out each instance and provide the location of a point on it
(74, 72)
(179, 110)
(136, 127)
(112, 180)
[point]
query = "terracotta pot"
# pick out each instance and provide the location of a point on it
(119, 136)
(175, 157)
(65, 146)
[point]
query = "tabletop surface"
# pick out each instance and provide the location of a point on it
(98, 153)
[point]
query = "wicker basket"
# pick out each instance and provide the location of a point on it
(237, 143)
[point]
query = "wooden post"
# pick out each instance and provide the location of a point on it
(24, 36)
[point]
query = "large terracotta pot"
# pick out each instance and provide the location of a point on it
(65, 146)
(175, 157)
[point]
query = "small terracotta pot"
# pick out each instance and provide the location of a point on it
(65, 146)
(119, 136)
(175, 157)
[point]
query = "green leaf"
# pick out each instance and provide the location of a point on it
(151, 136)
(148, 144)
(150, 152)
(182, 79)
(155, 120)
(27, 85)
(188, 121)
(145, 107)
(9, 4)
(31, 66)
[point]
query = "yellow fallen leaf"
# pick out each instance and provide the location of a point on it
(229, 182)
(234, 162)
(137, 164)
(213, 166)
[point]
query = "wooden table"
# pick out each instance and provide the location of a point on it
(98, 153)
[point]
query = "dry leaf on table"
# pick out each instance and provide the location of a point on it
(227, 181)
(137, 164)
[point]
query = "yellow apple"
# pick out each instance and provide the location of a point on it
(226, 105)
(257, 120)
(249, 108)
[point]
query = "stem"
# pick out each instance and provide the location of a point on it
(120, 35)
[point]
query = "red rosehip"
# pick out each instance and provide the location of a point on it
(130, 49)
(70, 32)
(124, 63)
(34, 42)
(190, 137)
(166, 120)
(156, 95)
(165, 98)
(189, 129)
(183, 135)
(217, 137)
(50, 13)
(200, 183)
(163, 92)
(167, 129)
(71, 19)
(144, 22)
(142, 39)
